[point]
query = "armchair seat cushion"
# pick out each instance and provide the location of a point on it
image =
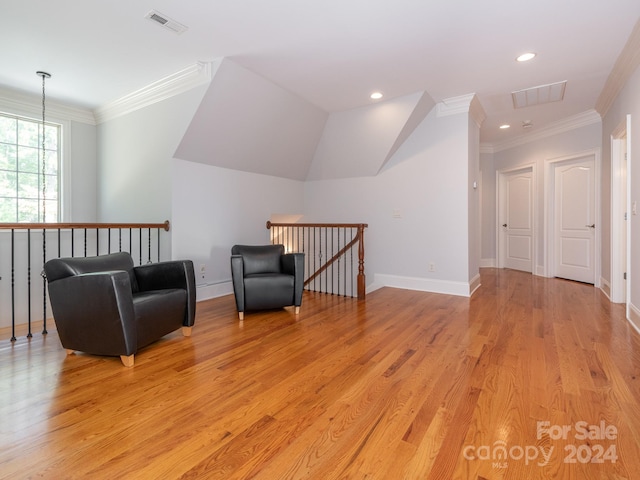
(158, 312)
(270, 290)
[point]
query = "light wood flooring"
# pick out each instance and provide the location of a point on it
(405, 385)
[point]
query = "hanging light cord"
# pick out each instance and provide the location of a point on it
(44, 76)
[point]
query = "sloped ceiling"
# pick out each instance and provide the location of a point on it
(248, 123)
(245, 122)
(358, 142)
(418, 114)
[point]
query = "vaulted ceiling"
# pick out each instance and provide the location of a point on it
(331, 54)
(245, 122)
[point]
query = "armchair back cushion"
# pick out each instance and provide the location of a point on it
(62, 268)
(259, 258)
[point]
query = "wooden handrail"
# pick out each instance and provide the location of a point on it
(328, 225)
(54, 226)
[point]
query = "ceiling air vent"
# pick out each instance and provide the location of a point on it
(166, 22)
(553, 92)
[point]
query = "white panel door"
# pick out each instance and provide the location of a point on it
(518, 221)
(575, 220)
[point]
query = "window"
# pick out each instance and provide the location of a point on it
(25, 196)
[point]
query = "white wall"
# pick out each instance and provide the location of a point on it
(427, 183)
(215, 208)
(81, 173)
(535, 153)
(627, 103)
(487, 195)
(135, 152)
(473, 193)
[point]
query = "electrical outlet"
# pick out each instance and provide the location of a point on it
(432, 267)
(203, 270)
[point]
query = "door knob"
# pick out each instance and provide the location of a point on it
(504, 224)
(593, 225)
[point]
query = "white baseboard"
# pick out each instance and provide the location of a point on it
(538, 270)
(605, 287)
(634, 317)
(422, 284)
(488, 263)
(207, 291)
(474, 284)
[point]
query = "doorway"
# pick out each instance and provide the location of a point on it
(572, 218)
(516, 218)
(619, 213)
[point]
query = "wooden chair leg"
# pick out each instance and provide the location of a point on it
(297, 310)
(241, 315)
(127, 360)
(186, 331)
(69, 351)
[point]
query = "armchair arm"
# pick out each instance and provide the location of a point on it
(237, 276)
(94, 313)
(293, 264)
(170, 274)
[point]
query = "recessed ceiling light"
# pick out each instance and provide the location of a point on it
(505, 126)
(525, 57)
(376, 95)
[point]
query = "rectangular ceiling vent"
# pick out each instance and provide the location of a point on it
(553, 92)
(166, 22)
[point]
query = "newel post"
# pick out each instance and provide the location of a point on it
(361, 277)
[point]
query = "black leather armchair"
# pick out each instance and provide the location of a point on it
(105, 306)
(265, 277)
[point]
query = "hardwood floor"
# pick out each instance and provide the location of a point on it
(406, 385)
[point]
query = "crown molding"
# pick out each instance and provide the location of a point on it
(30, 105)
(463, 104)
(570, 123)
(454, 105)
(627, 63)
(170, 86)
